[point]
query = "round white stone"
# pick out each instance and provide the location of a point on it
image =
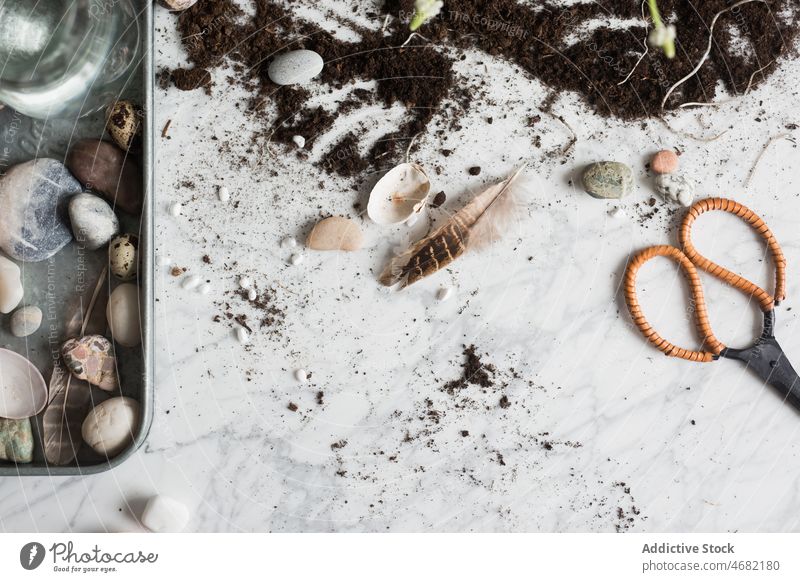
(295, 67)
(123, 315)
(26, 320)
(110, 426)
(10, 285)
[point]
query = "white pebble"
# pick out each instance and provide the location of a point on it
(164, 261)
(205, 289)
(245, 283)
(297, 258)
(224, 194)
(242, 335)
(175, 208)
(289, 242)
(252, 294)
(444, 293)
(299, 141)
(301, 375)
(164, 514)
(617, 212)
(191, 282)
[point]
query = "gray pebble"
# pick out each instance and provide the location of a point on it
(608, 180)
(93, 221)
(33, 198)
(26, 320)
(295, 67)
(676, 188)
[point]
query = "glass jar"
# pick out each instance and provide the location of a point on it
(65, 58)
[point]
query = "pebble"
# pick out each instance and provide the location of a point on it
(336, 233)
(122, 313)
(11, 290)
(33, 218)
(104, 168)
(165, 515)
(123, 257)
(299, 141)
(175, 209)
(16, 440)
(177, 5)
(252, 294)
(245, 283)
(444, 293)
(191, 282)
(223, 194)
(242, 335)
(26, 321)
(676, 188)
(617, 212)
(110, 426)
(301, 375)
(23, 392)
(295, 67)
(91, 358)
(297, 258)
(289, 242)
(94, 223)
(205, 289)
(608, 180)
(664, 162)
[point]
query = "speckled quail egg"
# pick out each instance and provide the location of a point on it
(123, 122)
(123, 256)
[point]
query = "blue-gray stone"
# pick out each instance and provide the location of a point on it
(33, 199)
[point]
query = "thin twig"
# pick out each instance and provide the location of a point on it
(689, 135)
(705, 56)
(646, 48)
(166, 128)
(413, 34)
(574, 139)
(410, 145)
(772, 140)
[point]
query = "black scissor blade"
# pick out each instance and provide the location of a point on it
(766, 358)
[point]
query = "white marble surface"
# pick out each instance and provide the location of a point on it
(693, 447)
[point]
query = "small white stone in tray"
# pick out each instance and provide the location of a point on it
(164, 261)
(252, 294)
(299, 141)
(245, 283)
(297, 258)
(191, 282)
(617, 212)
(301, 376)
(205, 289)
(289, 242)
(242, 335)
(175, 208)
(224, 194)
(444, 293)
(164, 514)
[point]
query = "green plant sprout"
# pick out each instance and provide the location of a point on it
(661, 36)
(424, 10)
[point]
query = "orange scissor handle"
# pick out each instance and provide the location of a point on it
(689, 260)
(766, 300)
(700, 311)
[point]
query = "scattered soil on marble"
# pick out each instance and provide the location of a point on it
(473, 372)
(263, 313)
(547, 41)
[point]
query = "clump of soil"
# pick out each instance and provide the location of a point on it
(187, 79)
(546, 40)
(473, 371)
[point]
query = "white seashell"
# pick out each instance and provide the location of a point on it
(245, 283)
(223, 194)
(242, 335)
(289, 243)
(399, 195)
(297, 258)
(444, 293)
(616, 212)
(252, 295)
(299, 141)
(301, 375)
(23, 393)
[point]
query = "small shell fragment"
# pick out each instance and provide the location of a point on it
(252, 295)
(289, 242)
(400, 194)
(245, 283)
(223, 194)
(444, 293)
(299, 141)
(297, 258)
(242, 335)
(175, 209)
(301, 375)
(191, 282)
(336, 233)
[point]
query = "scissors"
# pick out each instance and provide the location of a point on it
(765, 357)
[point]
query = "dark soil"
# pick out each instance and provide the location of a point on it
(548, 42)
(473, 371)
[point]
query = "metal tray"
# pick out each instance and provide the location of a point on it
(23, 139)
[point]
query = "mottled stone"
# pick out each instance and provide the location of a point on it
(295, 67)
(676, 188)
(16, 440)
(608, 180)
(33, 199)
(94, 223)
(90, 358)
